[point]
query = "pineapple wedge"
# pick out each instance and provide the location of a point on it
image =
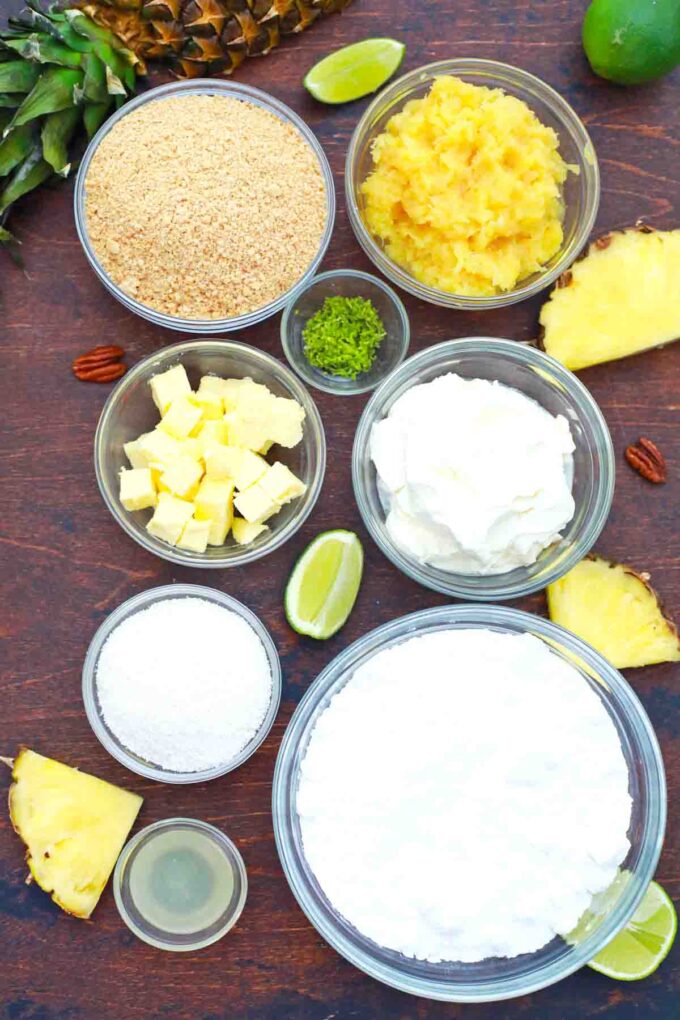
(615, 610)
(621, 298)
(74, 827)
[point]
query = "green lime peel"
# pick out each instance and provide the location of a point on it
(343, 337)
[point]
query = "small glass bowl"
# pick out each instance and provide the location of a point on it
(551, 385)
(308, 299)
(145, 929)
(494, 979)
(211, 87)
(129, 411)
(108, 738)
(581, 192)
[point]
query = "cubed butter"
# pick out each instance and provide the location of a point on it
(222, 461)
(244, 532)
(213, 432)
(211, 384)
(255, 504)
(181, 418)
(137, 490)
(250, 469)
(181, 477)
(195, 535)
(159, 448)
(191, 447)
(285, 422)
(210, 405)
(247, 428)
(169, 518)
(169, 386)
(214, 498)
(281, 484)
(134, 454)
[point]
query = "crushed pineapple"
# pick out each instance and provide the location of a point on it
(74, 827)
(466, 189)
(615, 610)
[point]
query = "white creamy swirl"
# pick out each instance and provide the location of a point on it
(475, 476)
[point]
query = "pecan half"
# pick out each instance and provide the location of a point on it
(646, 458)
(101, 365)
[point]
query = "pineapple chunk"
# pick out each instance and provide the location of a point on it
(281, 484)
(169, 386)
(244, 532)
(181, 477)
(137, 489)
(615, 610)
(170, 516)
(622, 298)
(256, 505)
(251, 468)
(181, 418)
(74, 827)
(195, 535)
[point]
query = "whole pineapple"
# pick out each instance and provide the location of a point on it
(205, 37)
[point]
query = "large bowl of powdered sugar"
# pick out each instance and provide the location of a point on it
(469, 803)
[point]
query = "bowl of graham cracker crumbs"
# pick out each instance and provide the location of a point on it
(202, 205)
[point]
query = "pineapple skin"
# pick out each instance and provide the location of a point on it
(205, 37)
(620, 298)
(615, 610)
(74, 827)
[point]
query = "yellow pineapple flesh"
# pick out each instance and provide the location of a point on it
(74, 827)
(622, 298)
(615, 610)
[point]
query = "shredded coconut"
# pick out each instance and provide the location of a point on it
(185, 683)
(464, 796)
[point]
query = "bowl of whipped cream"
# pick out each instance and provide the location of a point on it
(483, 468)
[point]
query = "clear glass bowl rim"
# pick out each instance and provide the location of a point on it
(628, 704)
(229, 849)
(313, 421)
(198, 86)
(503, 73)
(494, 586)
(141, 601)
(298, 363)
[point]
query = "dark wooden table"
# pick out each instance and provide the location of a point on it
(66, 564)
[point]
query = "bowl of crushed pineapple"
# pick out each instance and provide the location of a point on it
(210, 453)
(471, 184)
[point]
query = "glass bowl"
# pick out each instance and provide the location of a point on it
(550, 384)
(581, 192)
(108, 738)
(145, 929)
(491, 979)
(347, 283)
(233, 90)
(129, 411)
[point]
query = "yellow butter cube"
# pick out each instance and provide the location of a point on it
(281, 484)
(266, 448)
(218, 529)
(212, 432)
(255, 504)
(244, 532)
(181, 418)
(214, 498)
(170, 516)
(169, 386)
(222, 461)
(181, 477)
(191, 447)
(285, 422)
(210, 405)
(251, 468)
(247, 428)
(195, 535)
(211, 384)
(158, 448)
(134, 454)
(137, 490)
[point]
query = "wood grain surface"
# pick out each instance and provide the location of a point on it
(66, 564)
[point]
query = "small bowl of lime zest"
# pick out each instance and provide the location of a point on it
(363, 365)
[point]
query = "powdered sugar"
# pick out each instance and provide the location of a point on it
(184, 684)
(464, 796)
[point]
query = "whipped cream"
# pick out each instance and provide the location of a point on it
(475, 477)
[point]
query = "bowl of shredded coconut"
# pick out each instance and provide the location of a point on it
(181, 683)
(469, 803)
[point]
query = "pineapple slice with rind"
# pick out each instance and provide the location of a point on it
(621, 298)
(74, 827)
(615, 610)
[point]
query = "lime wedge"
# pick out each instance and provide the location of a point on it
(354, 71)
(323, 586)
(646, 940)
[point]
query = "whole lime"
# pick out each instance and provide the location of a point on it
(632, 41)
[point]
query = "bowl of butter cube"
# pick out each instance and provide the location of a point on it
(210, 453)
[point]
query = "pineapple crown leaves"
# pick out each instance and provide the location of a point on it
(59, 72)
